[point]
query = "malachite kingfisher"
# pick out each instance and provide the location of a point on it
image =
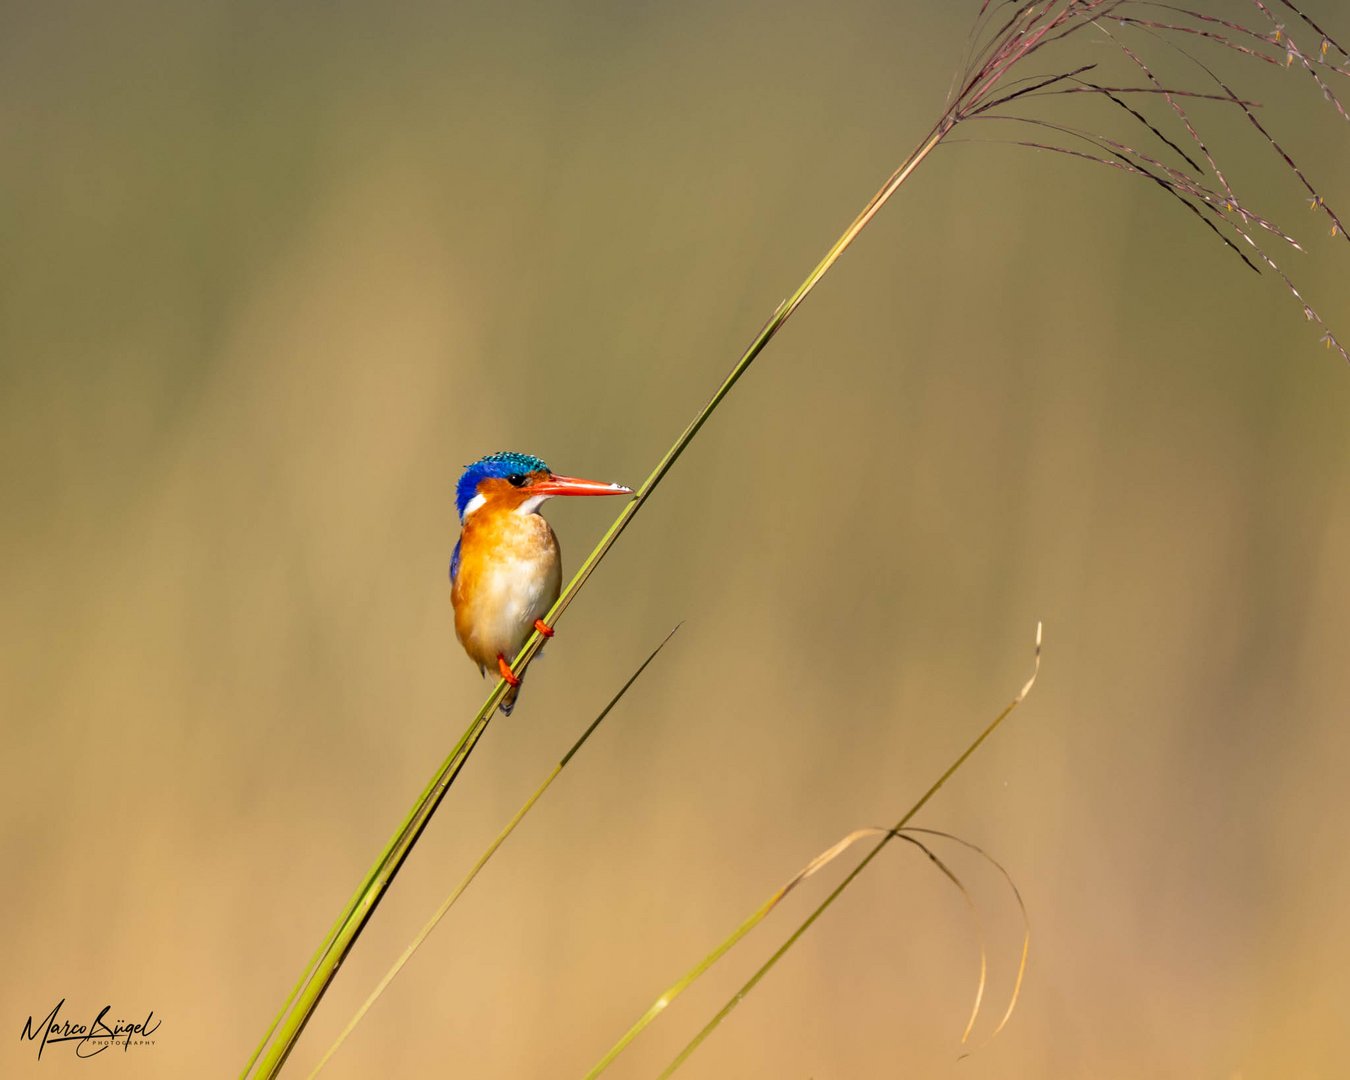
(506, 571)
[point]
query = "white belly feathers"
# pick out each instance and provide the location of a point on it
(516, 575)
(512, 592)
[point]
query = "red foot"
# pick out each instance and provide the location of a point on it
(543, 627)
(506, 672)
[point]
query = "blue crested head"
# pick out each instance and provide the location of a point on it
(500, 466)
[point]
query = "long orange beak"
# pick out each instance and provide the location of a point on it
(571, 485)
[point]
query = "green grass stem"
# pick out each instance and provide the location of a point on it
(299, 1007)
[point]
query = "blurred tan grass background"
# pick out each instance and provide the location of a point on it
(271, 277)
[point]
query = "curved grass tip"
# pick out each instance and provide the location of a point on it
(901, 830)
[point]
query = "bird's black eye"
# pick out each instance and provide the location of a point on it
(517, 479)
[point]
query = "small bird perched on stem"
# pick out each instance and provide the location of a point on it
(506, 571)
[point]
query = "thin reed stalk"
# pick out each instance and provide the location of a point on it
(483, 859)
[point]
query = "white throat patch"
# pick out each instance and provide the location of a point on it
(532, 504)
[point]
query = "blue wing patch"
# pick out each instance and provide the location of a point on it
(454, 564)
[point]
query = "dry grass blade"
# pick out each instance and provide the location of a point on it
(947, 872)
(813, 867)
(757, 916)
(1026, 926)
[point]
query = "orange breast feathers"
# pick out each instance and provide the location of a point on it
(510, 573)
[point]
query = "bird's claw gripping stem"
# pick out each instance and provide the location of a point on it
(543, 627)
(506, 672)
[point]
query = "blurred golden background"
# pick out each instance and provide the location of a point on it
(274, 274)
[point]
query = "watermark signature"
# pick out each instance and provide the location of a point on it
(93, 1038)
